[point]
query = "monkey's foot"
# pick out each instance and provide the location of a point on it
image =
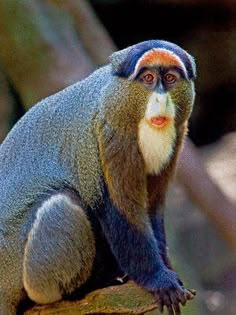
(171, 292)
(172, 299)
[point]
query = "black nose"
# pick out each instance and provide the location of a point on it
(160, 88)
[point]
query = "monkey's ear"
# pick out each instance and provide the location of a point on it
(193, 65)
(117, 60)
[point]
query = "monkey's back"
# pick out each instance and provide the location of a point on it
(52, 146)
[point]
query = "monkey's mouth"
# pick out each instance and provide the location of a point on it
(159, 121)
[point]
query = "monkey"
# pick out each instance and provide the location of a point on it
(84, 175)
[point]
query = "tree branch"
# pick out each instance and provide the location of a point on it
(207, 194)
(123, 299)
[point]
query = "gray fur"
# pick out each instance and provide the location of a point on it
(118, 57)
(54, 265)
(46, 148)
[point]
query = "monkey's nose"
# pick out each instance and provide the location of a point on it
(161, 98)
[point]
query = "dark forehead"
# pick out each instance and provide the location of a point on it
(128, 65)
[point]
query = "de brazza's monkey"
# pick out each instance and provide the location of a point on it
(84, 176)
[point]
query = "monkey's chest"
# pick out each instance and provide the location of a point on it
(156, 146)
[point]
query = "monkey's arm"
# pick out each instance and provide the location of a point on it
(134, 247)
(126, 224)
(158, 226)
(157, 187)
(138, 255)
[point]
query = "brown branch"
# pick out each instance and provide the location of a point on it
(126, 299)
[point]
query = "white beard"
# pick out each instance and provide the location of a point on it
(157, 144)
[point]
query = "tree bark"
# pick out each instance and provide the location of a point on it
(126, 299)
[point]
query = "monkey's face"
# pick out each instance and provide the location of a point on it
(164, 74)
(172, 93)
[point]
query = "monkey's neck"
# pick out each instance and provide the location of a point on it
(124, 171)
(156, 145)
(157, 185)
(130, 187)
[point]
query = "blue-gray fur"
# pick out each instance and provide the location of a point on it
(35, 159)
(54, 265)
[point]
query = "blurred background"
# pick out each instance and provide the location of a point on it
(46, 45)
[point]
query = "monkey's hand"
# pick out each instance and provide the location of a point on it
(170, 292)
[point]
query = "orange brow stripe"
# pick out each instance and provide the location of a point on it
(158, 57)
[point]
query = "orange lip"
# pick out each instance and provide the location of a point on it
(160, 121)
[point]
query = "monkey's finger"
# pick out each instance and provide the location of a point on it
(177, 309)
(175, 302)
(159, 303)
(167, 303)
(160, 307)
(174, 297)
(189, 295)
(194, 292)
(182, 297)
(170, 309)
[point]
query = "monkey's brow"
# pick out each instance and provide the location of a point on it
(179, 70)
(162, 70)
(156, 68)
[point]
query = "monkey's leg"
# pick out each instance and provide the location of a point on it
(11, 287)
(158, 226)
(59, 252)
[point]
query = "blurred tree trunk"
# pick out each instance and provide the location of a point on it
(40, 49)
(207, 194)
(6, 105)
(92, 33)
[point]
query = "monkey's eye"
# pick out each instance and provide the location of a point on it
(148, 77)
(170, 78)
